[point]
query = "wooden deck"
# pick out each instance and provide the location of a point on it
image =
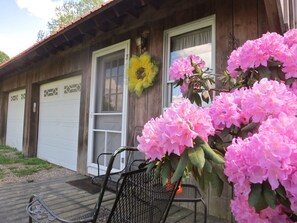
(69, 201)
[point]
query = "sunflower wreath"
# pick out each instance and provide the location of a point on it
(141, 73)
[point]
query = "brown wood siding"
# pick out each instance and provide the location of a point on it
(236, 21)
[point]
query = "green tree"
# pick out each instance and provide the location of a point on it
(66, 13)
(3, 57)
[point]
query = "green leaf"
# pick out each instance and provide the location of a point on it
(262, 204)
(202, 180)
(250, 127)
(150, 166)
(264, 72)
(282, 196)
(217, 184)
(196, 156)
(256, 197)
(180, 167)
(290, 81)
(207, 166)
(165, 172)
(269, 195)
(255, 194)
(280, 190)
(174, 161)
(197, 99)
(209, 152)
(219, 169)
(157, 170)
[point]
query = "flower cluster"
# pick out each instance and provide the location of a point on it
(193, 78)
(175, 130)
(183, 68)
(270, 47)
(270, 155)
(266, 98)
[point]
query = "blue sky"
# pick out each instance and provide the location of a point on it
(20, 21)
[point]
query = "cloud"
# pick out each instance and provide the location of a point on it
(12, 45)
(44, 9)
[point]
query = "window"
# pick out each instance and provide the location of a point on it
(197, 38)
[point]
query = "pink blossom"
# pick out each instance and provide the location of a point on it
(180, 68)
(234, 63)
(293, 87)
(226, 110)
(290, 37)
(184, 87)
(271, 46)
(290, 64)
(175, 130)
(266, 98)
(269, 155)
(245, 214)
(196, 61)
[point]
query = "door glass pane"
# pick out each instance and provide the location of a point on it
(114, 141)
(108, 122)
(112, 66)
(98, 145)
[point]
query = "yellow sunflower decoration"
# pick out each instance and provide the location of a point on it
(141, 73)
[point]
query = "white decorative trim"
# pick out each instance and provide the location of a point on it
(125, 45)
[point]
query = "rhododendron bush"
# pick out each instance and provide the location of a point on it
(176, 140)
(248, 133)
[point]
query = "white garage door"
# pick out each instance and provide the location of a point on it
(15, 119)
(59, 121)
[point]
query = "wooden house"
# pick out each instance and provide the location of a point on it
(65, 99)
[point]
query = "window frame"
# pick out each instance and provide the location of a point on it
(178, 30)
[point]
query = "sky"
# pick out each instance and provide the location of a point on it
(20, 21)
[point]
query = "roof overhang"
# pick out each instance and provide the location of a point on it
(102, 19)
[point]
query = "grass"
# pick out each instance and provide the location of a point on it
(18, 164)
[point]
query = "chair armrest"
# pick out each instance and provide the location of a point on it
(98, 160)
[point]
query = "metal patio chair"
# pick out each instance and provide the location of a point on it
(141, 198)
(134, 161)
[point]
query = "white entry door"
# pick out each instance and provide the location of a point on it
(59, 122)
(15, 119)
(108, 106)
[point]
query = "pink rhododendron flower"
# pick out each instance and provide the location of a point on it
(226, 110)
(266, 98)
(184, 87)
(196, 60)
(290, 37)
(290, 64)
(243, 213)
(293, 87)
(180, 68)
(269, 155)
(271, 46)
(234, 62)
(175, 130)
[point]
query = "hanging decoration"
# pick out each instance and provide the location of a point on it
(141, 73)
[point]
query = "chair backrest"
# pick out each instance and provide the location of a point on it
(142, 198)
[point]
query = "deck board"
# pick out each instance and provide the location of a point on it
(68, 201)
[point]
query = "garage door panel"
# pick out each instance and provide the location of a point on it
(59, 122)
(15, 119)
